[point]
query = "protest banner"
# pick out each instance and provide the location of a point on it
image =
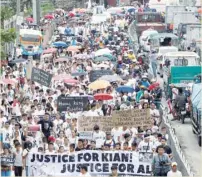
(7, 160)
(87, 123)
(41, 76)
(132, 118)
(97, 162)
(72, 103)
(95, 74)
(86, 135)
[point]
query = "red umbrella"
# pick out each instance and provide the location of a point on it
(50, 50)
(30, 19)
(61, 77)
(48, 16)
(71, 14)
(103, 96)
(61, 59)
(70, 81)
(8, 81)
(153, 86)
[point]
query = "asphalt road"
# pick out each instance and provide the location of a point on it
(189, 144)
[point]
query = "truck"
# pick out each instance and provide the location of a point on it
(188, 33)
(179, 67)
(196, 110)
(170, 13)
(149, 20)
(183, 17)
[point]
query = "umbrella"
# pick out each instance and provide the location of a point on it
(83, 56)
(48, 16)
(50, 50)
(131, 10)
(103, 96)
(101, 58)
(98, 84)
(125, 89)
(62, 59)
(71, 81)
(73, 48)
(79, 74)
(111, 78)
(60, 44)
(102, 52)
(20, 60)
(8, 81)
(102, 65)
(153, 86)
(71, 14)
(30, 19)
(62, 77)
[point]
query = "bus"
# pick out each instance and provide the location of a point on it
(31, 42)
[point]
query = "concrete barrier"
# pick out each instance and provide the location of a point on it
(173, 142)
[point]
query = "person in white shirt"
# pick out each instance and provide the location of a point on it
(19, 51)
(174, 172)
(146, 145)
(39, 111)
(18, 160)
(99, 136)
(84, 171)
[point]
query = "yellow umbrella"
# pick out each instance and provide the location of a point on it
(99, 84)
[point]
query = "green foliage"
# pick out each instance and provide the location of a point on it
(28, 12)
(6, 37)
(6, 13)
(47, 7)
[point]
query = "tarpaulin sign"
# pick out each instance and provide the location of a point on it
(41, 76)
(72, 103)
(97, 162)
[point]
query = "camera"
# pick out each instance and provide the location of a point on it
(162, 163)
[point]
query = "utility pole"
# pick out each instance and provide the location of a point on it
(36, 10)
(17, 23)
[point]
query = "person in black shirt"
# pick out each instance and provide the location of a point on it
(79, 145)
(167, 148)
(46, 125)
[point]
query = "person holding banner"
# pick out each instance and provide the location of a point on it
(84, 171)
(7, 161)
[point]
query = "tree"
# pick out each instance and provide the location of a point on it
(6, 13)
(6, 35)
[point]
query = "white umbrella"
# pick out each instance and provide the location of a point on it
(102, 52)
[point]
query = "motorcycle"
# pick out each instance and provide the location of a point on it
(181, 113)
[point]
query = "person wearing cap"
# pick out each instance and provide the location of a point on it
(109, 140)
(145, 81)
(131, 55)
(174, 172)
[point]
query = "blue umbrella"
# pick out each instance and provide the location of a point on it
(125, 89)
(20, 60)
(60, 44)
(131, 10)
